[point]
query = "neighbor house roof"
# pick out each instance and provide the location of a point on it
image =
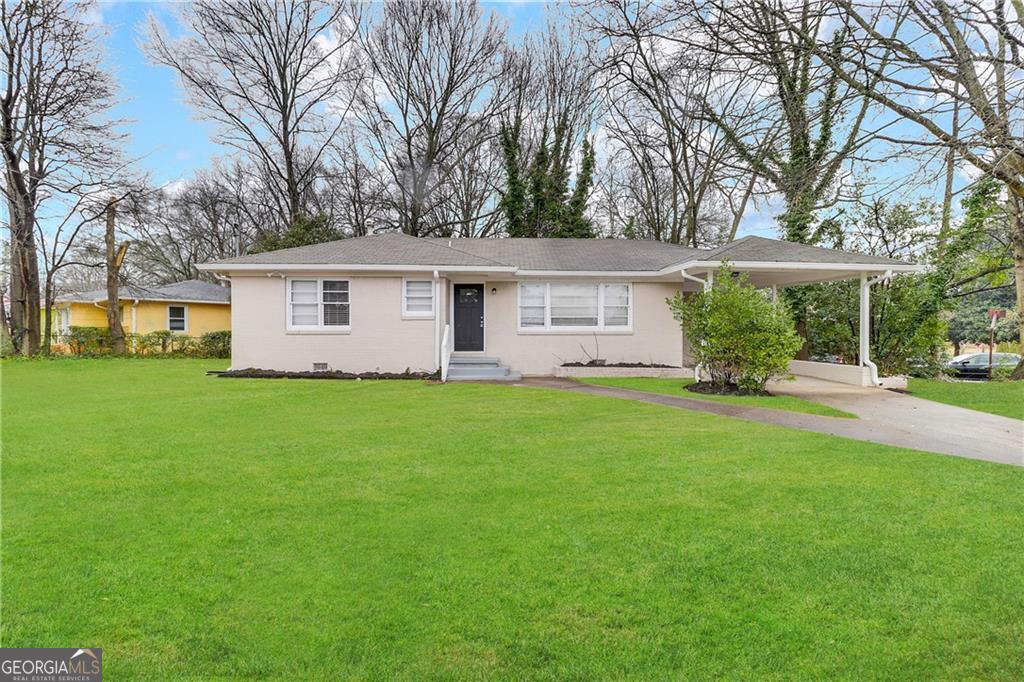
(396, 250)
(189, 291)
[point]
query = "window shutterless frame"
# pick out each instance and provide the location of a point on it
(429, 289)
(320, 303)
(601, 310)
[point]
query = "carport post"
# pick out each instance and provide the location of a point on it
(864, 327)
(865, 322)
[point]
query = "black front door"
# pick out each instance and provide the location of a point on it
(469, 317)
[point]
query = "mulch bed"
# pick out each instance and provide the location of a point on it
(709, 388)
(252, 373)
(618, 364)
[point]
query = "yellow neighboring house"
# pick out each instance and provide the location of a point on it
(191, 308)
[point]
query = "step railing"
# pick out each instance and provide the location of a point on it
(446, 351)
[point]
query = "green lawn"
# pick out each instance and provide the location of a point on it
(203, 527)
(675, 387)
(998, 397)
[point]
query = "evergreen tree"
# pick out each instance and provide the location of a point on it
(513, 201)
(542, 205)
(304, 231)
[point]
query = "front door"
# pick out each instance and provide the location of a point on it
(469, 317)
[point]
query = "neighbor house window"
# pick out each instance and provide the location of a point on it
(177, 318)
(563, 306)
(418, 298)
(318, 304)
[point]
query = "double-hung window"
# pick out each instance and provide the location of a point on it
(319, 304)
(417, 298)
(177, 318)
(564, 306)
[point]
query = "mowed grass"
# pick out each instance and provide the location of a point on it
(202, 527)
(1005, 398)
(677, 387)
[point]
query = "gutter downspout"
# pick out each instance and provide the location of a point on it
(135, 329)
(437, 320)
(865, 323)
(706, 284)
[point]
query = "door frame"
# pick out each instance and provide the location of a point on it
(451, 314)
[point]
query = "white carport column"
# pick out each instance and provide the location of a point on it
(865, 326)
(865, 323)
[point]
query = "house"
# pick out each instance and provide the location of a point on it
(192, 308)
(499, 307)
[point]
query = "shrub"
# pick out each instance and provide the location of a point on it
(159, 340)
(215, 344)
(88, 340)
(738, 334)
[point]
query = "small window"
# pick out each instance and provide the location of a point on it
(318, 304)
(418, 298)
(335, 302)
(177, 320)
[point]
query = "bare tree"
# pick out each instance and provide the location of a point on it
(956, 71)
(813, 122)
(175, 228)
(278, 78)
(656, 95)
(428, 98)
(57, 141)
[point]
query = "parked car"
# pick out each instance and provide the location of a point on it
(976, 364)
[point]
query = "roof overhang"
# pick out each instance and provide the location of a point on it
(764, 273)
(336, 267)
(140, 300)
(782, 266)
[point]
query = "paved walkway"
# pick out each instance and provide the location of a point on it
(885, 417)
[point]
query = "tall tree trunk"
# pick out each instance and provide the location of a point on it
(47, 314)
(1016, 217)
(947, 195)
(24, 270)
(113, 270)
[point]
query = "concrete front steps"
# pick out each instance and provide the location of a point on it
(476, 368)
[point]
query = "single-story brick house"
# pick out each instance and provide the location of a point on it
(494, 307)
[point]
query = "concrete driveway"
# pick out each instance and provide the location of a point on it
(884, 417)
(916, 423)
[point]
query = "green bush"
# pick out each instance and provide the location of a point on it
(738, 334)
(159, 341)
(88, 340)
(907, 334)
(215, 344)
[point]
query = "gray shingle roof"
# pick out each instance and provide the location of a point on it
(189, 290)
(622, 255)
(569, 255)
(390, 248)
(762, 249)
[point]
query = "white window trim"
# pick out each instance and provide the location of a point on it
(549, 329)
(177, 305)
(319, 327)
(419, 315)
